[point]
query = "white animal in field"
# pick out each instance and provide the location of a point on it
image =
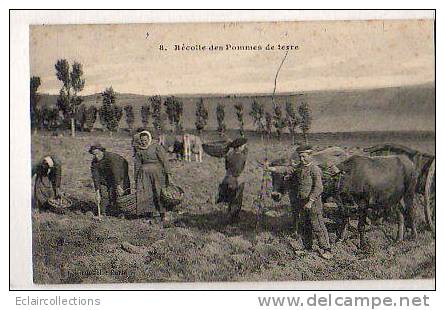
(183, 146)
(192, 145)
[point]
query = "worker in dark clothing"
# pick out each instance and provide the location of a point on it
(305, 195)
(110, 176)
(231, 189)
(48, 172)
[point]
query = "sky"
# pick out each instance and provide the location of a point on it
(330, 55)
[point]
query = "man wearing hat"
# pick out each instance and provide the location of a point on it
(230, 190)
(48, 172)
(305, 194)
(110, 177)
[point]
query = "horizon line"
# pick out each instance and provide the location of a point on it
(296, 92)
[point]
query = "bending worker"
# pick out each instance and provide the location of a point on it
(110, 177)
(48, 173)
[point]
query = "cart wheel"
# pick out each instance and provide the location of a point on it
(430, 197)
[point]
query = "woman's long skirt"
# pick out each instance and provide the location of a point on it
(43, 191)
(150, 179)
(231, 192)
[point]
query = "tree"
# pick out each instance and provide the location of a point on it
(73, 83)
(257, 113)
(145, 115)
(202, 115)
(49, 117)
(170, 110)
(239, 110)
(174, 109)
(292, 119)
(156, 108)
(102, 117)
(220, 118)
(80, 117)
(110, 113)
(268, 127)
(34, 98)
(278, 120)
(305, 119)
(129, 116)
(90, 117)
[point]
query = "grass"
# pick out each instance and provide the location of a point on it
(200, 245)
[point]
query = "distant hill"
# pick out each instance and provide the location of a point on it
(407, 108)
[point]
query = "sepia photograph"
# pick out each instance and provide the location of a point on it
(232, 151)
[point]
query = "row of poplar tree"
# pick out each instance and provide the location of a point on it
(72, 113)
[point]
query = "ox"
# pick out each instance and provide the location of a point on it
(173, 144)
(425, 166)
(192, 145)
(373, 183)
(328, 158)
(365, 183)
(183, 146)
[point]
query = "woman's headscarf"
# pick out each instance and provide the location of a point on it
(137, 140)
(49, 161)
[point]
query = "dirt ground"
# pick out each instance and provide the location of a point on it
(200, 245)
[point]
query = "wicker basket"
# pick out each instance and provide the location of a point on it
(216, 148)
(126, 203)
(171, 196)
(61, 204)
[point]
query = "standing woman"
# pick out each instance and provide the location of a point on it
(231, 188)
(151, 173)
(48, 173)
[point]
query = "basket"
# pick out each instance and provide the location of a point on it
(171, 196)
(126, 203)
(59, 205)
(216, 148)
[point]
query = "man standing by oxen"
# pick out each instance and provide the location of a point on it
(305, 189)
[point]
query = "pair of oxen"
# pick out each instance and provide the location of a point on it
(183, 146)
(381, 179)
